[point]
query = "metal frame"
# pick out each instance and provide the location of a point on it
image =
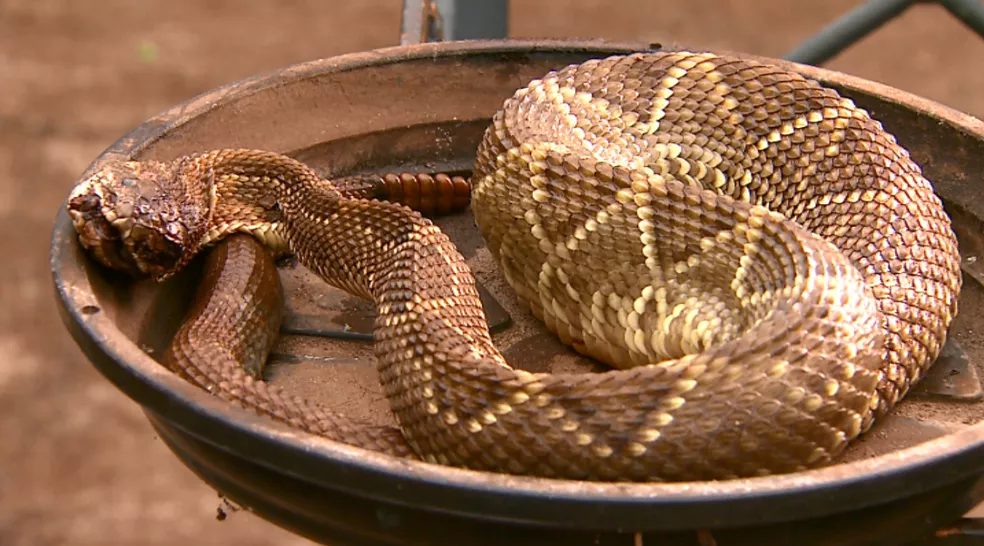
(862, 20)
(439, 20)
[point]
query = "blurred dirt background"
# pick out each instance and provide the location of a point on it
(78, 463)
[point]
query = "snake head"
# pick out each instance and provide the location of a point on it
(141, 218)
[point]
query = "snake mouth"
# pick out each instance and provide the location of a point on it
(121, 242)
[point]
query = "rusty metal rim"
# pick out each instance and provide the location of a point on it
(569, 504)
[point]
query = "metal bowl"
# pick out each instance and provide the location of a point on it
(424, 107)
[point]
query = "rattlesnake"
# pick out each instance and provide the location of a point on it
(766, 264)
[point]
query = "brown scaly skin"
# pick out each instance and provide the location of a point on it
(210, 350)
(626, 200)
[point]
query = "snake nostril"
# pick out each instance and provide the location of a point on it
(86, 203)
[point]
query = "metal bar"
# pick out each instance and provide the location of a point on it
(970, 12)
(474, 20)
(965, 532)
(411, 23)
(846, 30)
(421, 22)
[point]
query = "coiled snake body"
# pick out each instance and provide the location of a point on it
(766, 265)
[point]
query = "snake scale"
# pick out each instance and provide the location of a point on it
(765, 267)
